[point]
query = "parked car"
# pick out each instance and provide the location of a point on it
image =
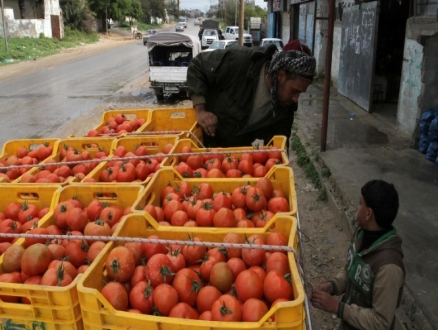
(232, 33)
(208, 37)
(179, 27)
(268, 41)
(221, 44)
(147, 35)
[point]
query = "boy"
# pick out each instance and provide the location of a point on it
(372, 281)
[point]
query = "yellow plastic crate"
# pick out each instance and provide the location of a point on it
(90, 144)
(277, 141)
(174, 119)
(40, 196)
(128, 113)
(10, 148)
(154, 144)
(281, 177)
(97, 313)
(58, 308)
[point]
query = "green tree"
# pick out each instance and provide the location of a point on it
(152, 8)
(115, 9)
(135, 11)
(77, 15)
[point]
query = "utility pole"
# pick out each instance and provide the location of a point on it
(241, 21)
(4, 27)
(235, 15)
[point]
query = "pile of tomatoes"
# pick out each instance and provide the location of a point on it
(133, 170)
(55, 262)
(210, 165)
(62, 173)
(245, 206)
(24, 156)
(118, 124)
(193, 282)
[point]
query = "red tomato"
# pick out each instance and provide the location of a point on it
(116, 295)
(140, 297)
(278, 204)
(77, 251)
(275, 286)
(255, 200)
(226, 309)
(237, 266)
(238, 197)
(246, 166)
(185, 170)
(36, 259)
(277, 238)
(254, 257)
(229, 162)
(193, 253)
(249, 285)
(195, 161)
(187, 284)
(179, 218)
(205, 215)
(56, 277)
(206, 297)
(158, 270)
(259, 270)
(120, 264)
(28, 241)
(233, 238)
(253, 310)
(171, 207)
(198, 173)
(222, 200)
(224, 217)
(184, 311)
(150, 249)
(177, 261)
(278, 261)
(165, 298)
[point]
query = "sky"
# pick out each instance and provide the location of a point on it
(203, 5)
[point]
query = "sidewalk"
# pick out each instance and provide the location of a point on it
(361, 147)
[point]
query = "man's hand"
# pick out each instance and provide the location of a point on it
(207, 120)
(326, 287)
(323, 300)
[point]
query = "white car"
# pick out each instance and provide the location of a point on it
(268, 41)
(221, 44)
(208, 37)
(232, 33)
(179, 27)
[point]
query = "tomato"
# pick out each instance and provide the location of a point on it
(126, 173)
(206, 297)
(278, 192)
(193, 254)
(253, 310)
(224, 217)
(165, 298)
(205, 268)
(239, 214)
(214, 163)
(171, 207)
(259, 171)
(229, 163)
(94, 209)
(184, 311)
(135, 247)
(140, 297)
(226, 309)
(57, 251)
(206, 316)
(36, 259)
(255, 201)
(120, 264)
(278, 204)
(198, 173)
(27, 211)
(111, 215)
(9, 226)
(238, 197)
(138, 275)
(221, 276)
(187, 284)
(271, 162)
(60, 213)
(193, 207)
(116, 295)
(233, 238)
(276, 286)
(249, 285)
(266, 186)
(77, 251)
(185, 150)
(278, 261)
(76, 219)
(177, 261)
(245, 166)
(97, 228)
(11, 210)
(222, 200)
(94, 250)
(179, 218)
(185, 170)
(14, 277)
(150, 249)
(254, 257)
(44, 151)
(277, 238)
(261, 218)
(56, 277)
(195, 161)
(205, 215)
(28, 241)
(12, 258)
(158, 270)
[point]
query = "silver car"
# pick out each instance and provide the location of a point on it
(147, 35)
(268, 41)
(179, 27)
(221, 44)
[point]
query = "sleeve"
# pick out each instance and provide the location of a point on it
(387, 284)
(339, 282)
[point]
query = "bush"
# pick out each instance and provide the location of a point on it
(78, 16)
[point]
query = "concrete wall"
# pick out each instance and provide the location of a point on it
(285, 27)
(336, 54)
(31, 27)
(419, 80)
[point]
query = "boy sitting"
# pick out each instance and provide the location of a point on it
(372, 281)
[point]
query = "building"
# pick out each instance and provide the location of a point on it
(383, 50)
(40, 17)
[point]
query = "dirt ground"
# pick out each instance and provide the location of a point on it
(325, 251)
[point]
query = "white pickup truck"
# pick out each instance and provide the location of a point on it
(232, 33)
(169, 57)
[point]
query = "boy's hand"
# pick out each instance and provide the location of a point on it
(323, 300)
(326, 287)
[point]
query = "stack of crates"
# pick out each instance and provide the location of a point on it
(80, 305)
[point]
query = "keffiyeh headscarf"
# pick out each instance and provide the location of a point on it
(294, 62)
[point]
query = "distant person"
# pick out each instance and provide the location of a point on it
(373, 278)
(241, 94)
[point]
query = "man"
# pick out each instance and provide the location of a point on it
(242, 94)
